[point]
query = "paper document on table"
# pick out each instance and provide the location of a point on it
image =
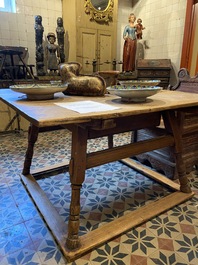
(87, 106)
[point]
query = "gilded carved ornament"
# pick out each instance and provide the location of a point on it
(99, 15)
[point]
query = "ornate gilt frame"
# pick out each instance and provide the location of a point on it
(103, 16)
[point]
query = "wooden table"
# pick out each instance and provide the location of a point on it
(128, 117)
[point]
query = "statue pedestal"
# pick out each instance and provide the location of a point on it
(110, 77)
(127, 75)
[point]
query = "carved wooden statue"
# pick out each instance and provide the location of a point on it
(39, 29)
(60, 31)
(52, 53)
(139, 28)
(130, 45)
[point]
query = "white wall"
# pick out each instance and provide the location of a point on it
(164, 22)
(18, 29)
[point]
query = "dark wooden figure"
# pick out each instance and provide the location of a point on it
(39, 29)
(52, 54)
(60, 31)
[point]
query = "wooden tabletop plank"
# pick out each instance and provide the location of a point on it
(46, 113)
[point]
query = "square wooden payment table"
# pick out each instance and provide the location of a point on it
(106, 122)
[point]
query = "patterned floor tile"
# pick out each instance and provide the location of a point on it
(9, 216)
(28, 210)
(163, 257)
(14, 238)
(193, 203)
(3, 179)
(164, 226)
(37, 230)
(138, 260)
(186, 246)
(49, 252)
(184, 213)
(165, 244)
(140, 241)
(19, 193)
(25, 256)
(6, 198)
(188, 228)
(110, 254)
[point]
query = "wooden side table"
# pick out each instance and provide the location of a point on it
(12, 67)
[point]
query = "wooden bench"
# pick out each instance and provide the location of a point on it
(163, 160)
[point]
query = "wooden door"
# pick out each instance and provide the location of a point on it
(104, 50)
(193, 56)
(189, 58)
(87, 49)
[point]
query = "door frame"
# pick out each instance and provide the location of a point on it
(188, 33)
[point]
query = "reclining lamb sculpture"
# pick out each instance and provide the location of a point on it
(81, 85)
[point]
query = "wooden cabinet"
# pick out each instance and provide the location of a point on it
(88, 40)
(154, 69)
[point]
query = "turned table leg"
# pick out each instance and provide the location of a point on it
(32, 138)
(73, 241)
(110, 141)
(171, 125)
(77, 169)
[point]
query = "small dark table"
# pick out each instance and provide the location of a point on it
(11, 68)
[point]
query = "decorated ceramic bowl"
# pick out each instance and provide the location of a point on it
(39, 91)
(139, 82)
(134, 93)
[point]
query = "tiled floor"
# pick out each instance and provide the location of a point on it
(108, 192)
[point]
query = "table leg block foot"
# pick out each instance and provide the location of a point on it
(72, 244)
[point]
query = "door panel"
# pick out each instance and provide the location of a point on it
(194, 47)
(87, 49)
(105, 50)
(189, 57)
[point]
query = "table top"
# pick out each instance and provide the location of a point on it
(46, 113)
(10, 52)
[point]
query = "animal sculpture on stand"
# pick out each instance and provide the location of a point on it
(81, 85)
